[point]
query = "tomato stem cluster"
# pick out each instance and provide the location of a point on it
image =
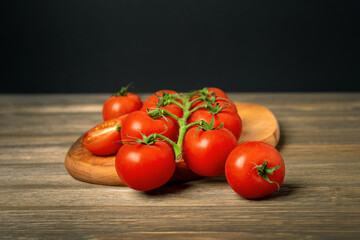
(185, 102)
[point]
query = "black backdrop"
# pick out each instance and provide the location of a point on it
(98, 46)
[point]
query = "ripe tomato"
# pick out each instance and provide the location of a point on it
(145, 167)
(104, 138)
(231, 119)
(250, 164)
(140, 122)
(205, 152)
(152, 102)
(117, 106)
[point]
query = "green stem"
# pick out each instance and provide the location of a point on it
(186, 127)
(176, 147)
(195, 100)
(197, 108)
(183, 126)
(123, 91)
(179, 104)
(169, 114)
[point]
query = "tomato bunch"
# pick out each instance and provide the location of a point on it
(201, 127)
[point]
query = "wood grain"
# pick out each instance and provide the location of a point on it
(259, 124)
(320, 197)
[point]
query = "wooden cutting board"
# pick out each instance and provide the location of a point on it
(259, 124)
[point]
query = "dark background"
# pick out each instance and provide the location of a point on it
(98, 46)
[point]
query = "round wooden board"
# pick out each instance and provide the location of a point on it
(259, 124)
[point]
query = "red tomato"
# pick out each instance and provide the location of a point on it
(205, 152)
(246, 171)
(140, 122)
(145, 167)
(117, 106)
(105, 138)
(152, 102)
(231, 119)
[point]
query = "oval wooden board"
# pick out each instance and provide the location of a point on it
(259, 124)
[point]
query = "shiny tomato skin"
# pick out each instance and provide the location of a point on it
(244, 178)
(140, 122)
(228, 116)
(205, 152)
(151, 103)
(104, 139)
(121, 105)
(145, 167)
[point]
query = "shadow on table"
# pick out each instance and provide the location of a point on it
(286, 189)
(170, 188)
(282, 139)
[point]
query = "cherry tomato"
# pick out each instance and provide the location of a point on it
(152, 102)
(205, 152)
(117, 106)
(231, 119)
(139, 122)
(254, 169)
(105, 138)
(145, 167)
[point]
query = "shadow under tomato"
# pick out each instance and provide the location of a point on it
(286, 189)
(170, 188)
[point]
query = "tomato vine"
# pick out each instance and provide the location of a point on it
(185, 102)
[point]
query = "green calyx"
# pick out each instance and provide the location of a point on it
(147, 140)
(205, 92)
(165, 100)
(123, 91)
(263, 171)
(155, 113)
(207, 127)
(158, 113)
(217, 108)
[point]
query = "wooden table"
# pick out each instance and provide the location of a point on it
(320, 197)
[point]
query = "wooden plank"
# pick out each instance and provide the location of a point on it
(320, 198)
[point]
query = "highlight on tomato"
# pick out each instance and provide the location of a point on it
(255, 169)
(105, 138)
(121, 103)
